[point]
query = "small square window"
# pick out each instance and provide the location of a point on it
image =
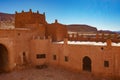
(18, 34)
(40, 56)
(54, 57)
(66, 58)
(106, 63)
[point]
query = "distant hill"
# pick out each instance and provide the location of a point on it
(108, 31)
(6, 20)
(81, 28)
(117, 32)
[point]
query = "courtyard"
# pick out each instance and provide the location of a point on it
(49, 73)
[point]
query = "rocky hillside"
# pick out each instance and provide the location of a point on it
(6, 20)
(81, 28)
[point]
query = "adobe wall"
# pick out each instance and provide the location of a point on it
(21, 33)
(75, 54)
(57, 31)
(61, 32)
(9, 44)
(117, 64)
(25, 46)
(37, 23)
(97, 54)
(23, 18)
(7, 33)
(21, 43)
(22, 49)
(99, 37)
(38, 47)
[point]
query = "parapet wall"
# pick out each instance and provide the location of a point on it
(23, 18)
(104, 59)
(94, 37)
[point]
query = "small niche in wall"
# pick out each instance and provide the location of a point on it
(102, 48)
(24, 58)
(18, 34)
(66, 58)
(23, 53)
(54, 57)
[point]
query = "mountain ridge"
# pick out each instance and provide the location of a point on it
(8, 20)
(81, 28)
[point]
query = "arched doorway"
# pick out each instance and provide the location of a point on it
(3, 58)
(87, 64)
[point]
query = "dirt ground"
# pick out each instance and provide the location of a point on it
(49, 73)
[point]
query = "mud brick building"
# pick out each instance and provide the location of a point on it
(34, 42)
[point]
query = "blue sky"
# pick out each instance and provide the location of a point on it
(103, 14)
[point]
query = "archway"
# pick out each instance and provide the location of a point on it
(3, 58)
(87, 64)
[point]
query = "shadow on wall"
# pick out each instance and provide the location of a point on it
(3, 59)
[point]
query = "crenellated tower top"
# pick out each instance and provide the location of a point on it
(24, 18)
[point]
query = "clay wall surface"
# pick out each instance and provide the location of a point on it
(21, 43)
(23, 18)
(61, 32)
(38, 47)
(57, 31)
(93, 37)
(9, 45)
(27, 44)
(7, 33)
(22, 50)
(97, 54)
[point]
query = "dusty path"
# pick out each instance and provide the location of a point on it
(47, 74)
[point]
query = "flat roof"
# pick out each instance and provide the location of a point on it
(88, 43)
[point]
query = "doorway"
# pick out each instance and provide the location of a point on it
(3, 58)
(86, 64)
